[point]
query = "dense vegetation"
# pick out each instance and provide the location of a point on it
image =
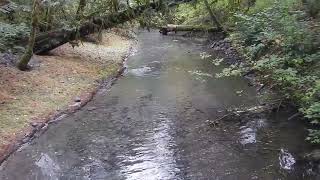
(22, 20)
(281, 43)
(279, 39)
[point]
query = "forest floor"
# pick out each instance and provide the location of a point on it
(55, 83)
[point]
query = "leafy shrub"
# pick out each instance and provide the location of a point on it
(281, 43)
(11, 34)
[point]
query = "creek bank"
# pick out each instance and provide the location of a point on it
(58, 84)
(270, 102)
(223, 48)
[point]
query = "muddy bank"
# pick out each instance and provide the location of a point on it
(59, 83)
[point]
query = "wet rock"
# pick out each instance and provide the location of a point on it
(214, 123)
(34, 124)
(213, 45)
(313, 156)
(286, 160)
(224, 49)
(77, 99)
(248, 132)
(75, 105)
(91, 108)
(45, 127)
(247, 136)
(25, 140)
(58, 119)
(141, 71)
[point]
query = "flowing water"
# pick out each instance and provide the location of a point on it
(153, 124)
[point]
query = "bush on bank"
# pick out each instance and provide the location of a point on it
(280, 41)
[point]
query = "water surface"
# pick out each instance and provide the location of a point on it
(154, 124)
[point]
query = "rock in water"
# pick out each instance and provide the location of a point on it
(91, 108)
(286, 160)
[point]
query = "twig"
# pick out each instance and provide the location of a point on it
(224, 116)
(279, 105)
(294, 116)
(260, 88)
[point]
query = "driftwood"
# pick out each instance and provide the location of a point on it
(50, 40)
(174, 28)
(242, 114)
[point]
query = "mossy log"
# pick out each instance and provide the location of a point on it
(47, 41)
(23, 63)
(175, 28)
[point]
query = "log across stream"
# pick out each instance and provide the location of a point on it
(164, 30)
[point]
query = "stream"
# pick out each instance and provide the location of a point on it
(153, 124)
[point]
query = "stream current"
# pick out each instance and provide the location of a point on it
(153, 124)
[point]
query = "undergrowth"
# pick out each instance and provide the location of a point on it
(281, 44)
(279, 41)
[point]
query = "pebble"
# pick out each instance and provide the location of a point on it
(91, 108)
(77, 99)
(34, 124)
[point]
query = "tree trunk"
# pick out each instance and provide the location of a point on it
(48, 18)
(23, 63)
(49, 40)
(82, 4)
(213, 16)
(174, 28)
(115, 5)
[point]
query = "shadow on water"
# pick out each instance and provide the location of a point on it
(153, 124)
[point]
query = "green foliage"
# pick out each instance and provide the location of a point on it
(233, 70)
(314, 136)
(196, 13)
(281, 43)
(313, 7)
(191, 14)
(12, 34)
(52, 14)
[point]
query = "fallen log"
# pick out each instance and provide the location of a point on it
(164, 30)
(47, 41)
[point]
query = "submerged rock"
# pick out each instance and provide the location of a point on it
(248, 136)
(248, 133)
(91, 108)
(313, 156)
(286, 160)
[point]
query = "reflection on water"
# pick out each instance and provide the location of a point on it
(153, 124)
(155, 158)
(286, 160)
(248, 132)
(140, 71)
(48, 167)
